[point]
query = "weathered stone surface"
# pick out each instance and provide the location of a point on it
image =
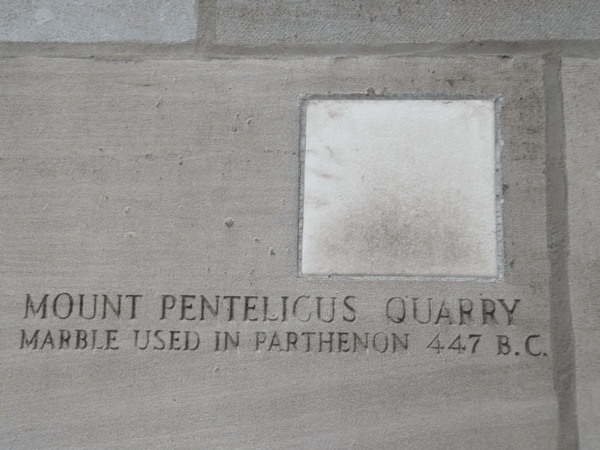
(182, 178)
(260, 22)
(410, 182)
(582, 108)
(97, 21)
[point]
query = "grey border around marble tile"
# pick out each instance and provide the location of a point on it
(497, 99)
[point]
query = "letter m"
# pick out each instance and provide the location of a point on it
(30, 306)
(28, 343)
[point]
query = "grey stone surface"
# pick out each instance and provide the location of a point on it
(97, 21)
(261, 22)
(582, 108)
(182, 177)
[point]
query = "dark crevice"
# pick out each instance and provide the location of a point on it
(562, 337)
(206, 47)
(206, 11)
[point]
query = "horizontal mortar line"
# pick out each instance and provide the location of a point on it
(191, 50)
(101, 50)
(512, 48)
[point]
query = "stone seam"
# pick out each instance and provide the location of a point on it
(205, 48)
(206, 11)
(562, 336)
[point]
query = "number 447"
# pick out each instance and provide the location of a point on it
(473, 339)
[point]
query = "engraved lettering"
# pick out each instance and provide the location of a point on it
(292, 340)
(137, 342)
(274, 342)
(399, 310)
(509, 311)
(134, 299)
(94, 341)
(30, 306)
(363, 343)
(116, 310)
(228, 340)
(232, 299)
(188, 345)
(415, 311)
(488, 308)
(398, 342)
(444, 313)
(80, 339)
(248, 307)
(295, 308)
(477, 338)
(503, 345)
(261, 338)
(266, 317)
(81, 302)
(349, 308)
(466, 308)
(383, 345)
(48, 340)
(166, 306)
(326, 341)
(55, 306)
(205, 303)
(185, 306)
(308, 335)
(174, 340)
(528, 343)
(284, 309)
(320, 314)
(343, 342)
(436, 344)
(27, 343)
(160, 340)
(65, 336)
(111, 336)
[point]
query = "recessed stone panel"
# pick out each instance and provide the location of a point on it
(166, 195)
(400, 187)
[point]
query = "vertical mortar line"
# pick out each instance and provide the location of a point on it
(206, 20)
(561, 327)
(301, 163)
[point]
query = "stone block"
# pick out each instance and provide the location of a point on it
(582, 108)
(262, 22)
(155, 21)
(149, 220)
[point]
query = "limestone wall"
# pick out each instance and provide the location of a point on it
(152, 158)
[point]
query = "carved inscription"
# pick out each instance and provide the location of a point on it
(276, 324)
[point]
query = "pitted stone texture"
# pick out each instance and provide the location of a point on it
(121, 177)
(411, 183)
(82, 21)
(582, 109)
(261, 22)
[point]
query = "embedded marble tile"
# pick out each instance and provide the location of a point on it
(400, 188)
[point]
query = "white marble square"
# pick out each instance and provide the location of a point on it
(400, 188)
